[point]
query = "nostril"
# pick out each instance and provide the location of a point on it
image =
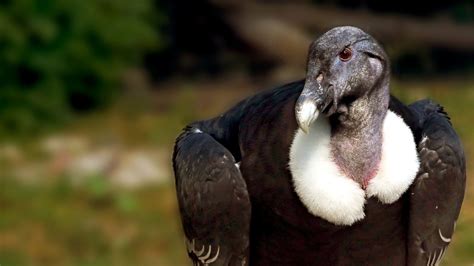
(319, 78)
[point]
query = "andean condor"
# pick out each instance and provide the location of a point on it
(331, 170)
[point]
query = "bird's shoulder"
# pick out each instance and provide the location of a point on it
(436, 195)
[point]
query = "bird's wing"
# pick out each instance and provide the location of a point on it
(438, 190)
(212, 194)
(213, 200)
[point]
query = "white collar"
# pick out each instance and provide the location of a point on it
(328, 193)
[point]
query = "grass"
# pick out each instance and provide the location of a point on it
(62, 224)
(59, 223)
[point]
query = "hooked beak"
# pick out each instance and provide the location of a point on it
(306, 112)
(314, 99)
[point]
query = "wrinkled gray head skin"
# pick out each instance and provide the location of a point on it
(352, 90)
(332, 84)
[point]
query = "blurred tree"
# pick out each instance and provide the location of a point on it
(200, 40)
(460, 10)
(209, 37)
(57, 57)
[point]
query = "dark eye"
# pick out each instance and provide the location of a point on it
(345, 54)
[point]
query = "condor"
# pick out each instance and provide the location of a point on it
(331, 170)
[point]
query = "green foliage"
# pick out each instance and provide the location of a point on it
(60, 56)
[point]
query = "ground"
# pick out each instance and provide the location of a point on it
(78, 203)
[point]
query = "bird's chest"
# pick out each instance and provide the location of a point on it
(290, 241)
(286, 233)
(295, 177)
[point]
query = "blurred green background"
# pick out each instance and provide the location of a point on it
(93, 93)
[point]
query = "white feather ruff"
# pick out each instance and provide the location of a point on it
(399, 164)
(329, 194)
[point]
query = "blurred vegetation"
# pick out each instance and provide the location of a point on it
(58, 57)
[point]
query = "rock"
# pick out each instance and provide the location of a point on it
(139, 168)
(91, 163)
(59, 143)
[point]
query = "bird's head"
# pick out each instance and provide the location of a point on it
(344, 64)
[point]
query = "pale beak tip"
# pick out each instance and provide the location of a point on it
(306, 116)
(305, 129)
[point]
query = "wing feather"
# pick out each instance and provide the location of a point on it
(438, 191)
(213, 200)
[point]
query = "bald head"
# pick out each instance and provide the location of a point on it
(344, 64)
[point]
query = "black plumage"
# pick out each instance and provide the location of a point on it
(239, 207)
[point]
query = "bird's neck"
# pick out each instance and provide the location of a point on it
(356, 138)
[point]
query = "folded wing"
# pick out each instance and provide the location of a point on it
(438, 191)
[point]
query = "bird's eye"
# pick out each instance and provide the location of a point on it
(345, 54)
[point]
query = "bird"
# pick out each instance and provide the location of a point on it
(328, 170)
